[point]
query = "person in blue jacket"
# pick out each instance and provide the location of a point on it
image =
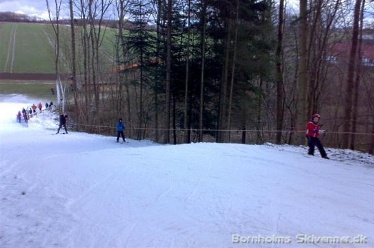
(120, 129)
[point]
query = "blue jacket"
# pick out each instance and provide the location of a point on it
(120, 126)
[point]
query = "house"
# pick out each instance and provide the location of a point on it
(339, 53)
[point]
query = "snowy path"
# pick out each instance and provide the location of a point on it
(82, 190)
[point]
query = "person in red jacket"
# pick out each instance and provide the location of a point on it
(312, 131)
(40, 106)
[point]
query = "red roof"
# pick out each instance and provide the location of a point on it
(343, 50)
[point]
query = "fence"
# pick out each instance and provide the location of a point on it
(363, 141)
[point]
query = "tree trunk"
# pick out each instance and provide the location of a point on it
(233, 71)
(201, 122)
(279, 74)
(73, 62)
(187, 138)
(357, 80)
(371, 147)
(224, 83)
(56, 28)
(302, 90)
(168, 76)
(349, 92)
(122, 77)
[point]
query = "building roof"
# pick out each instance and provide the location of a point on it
(343, 49)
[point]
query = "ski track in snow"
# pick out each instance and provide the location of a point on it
(82, 190)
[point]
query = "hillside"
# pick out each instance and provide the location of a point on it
(26, 48)
(82, 190)
(27, 51)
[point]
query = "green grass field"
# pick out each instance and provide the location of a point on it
(29, 48)
(25, 48)
(33, 89)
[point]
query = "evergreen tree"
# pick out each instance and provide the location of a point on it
(141, 48)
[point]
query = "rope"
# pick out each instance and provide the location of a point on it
(219, 130)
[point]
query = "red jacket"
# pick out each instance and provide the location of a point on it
(312, 129)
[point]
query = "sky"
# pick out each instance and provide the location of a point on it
(29, 7)
(86, 190)
(38, 7)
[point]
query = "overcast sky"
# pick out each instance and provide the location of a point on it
(28, 7)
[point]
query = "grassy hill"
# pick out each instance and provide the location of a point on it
(27, 57)
(29, 48)
(26, 48)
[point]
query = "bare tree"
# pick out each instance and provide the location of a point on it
(349, 92)
(121, 6)
(56, 28)
(356, 85)
(202, 78)
(235, 41)
(224, 83)
(168, 73)
(303, 66)
(73, 63)
(279, 73)
(187, 133)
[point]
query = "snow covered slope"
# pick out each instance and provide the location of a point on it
(83, 190)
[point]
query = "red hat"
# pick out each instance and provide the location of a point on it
(316, 115)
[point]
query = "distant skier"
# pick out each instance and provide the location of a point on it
(312, 131)
(34, 108)
(26, 118)
(40, 106)
(120, 129)
(62, 123)
(19, 116)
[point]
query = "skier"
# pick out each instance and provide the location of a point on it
(62, 123)
(34, 108)
(120, 128)
(26, 118)
(40, 106)
(312, 131)
(19, 116)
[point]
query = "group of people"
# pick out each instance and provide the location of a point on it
(313, 128)
(312, 132)
(26, 114)
(120, 127)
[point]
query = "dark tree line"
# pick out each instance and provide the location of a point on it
(15, 17)
(225, 71)
(211, 59)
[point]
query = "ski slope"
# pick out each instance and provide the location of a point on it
(84, 190)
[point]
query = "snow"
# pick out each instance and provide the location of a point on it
(85, 190)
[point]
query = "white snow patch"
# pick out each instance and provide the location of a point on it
(84, 190)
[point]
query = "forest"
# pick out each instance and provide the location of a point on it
(219, 70)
